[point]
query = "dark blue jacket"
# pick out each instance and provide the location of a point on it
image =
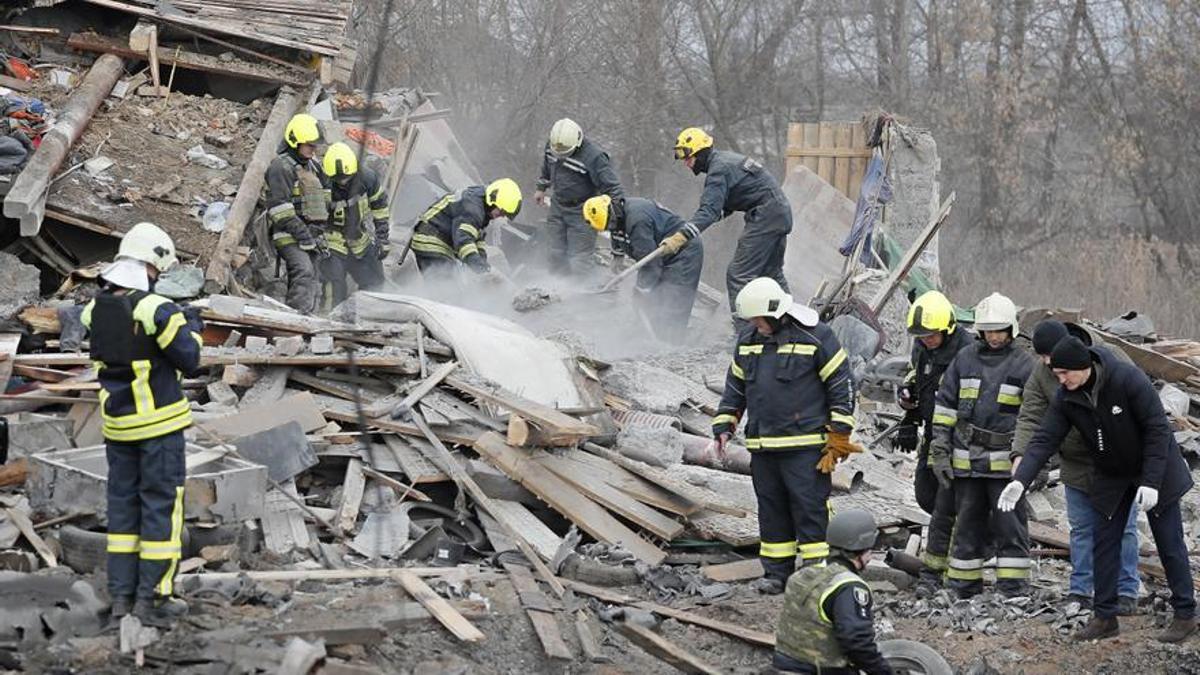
(583, 174)
(455, 227)
(645, 224)
(735, 182)
(1123, 423)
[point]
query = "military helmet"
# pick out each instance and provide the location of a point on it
(852, 530)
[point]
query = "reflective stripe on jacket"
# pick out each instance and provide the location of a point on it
(296, 195)
(794, 385)
(363, 199)
(454, 227)
(141, 349)
(583, 174)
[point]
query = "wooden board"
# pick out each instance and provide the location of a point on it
(835, 151)
(17, 517)
(588, 515)
(1156, 365)
(283, 523)
(611, 498)
(386, 406)
(406, 365)
(519, 518)
(352, 495)
(634, 485)
(662, 648)
(343, 411)
(706, 498)
(91, 42)
(411, 461)
(742, 570)
(8, 349)
(553, 423)
(443, 611)
(541, 612)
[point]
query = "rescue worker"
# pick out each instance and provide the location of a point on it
(974, 417)
(450, 233)
(359, 197)
(790, 376)
(1135, 461)
(735, 182)
(665, 289)
(297, 202)
(143, 345)
(1075, 470)
(937, 339)
(573, 170)
(826, 624)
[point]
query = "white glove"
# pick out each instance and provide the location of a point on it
(1010, 496)
(1146, 498)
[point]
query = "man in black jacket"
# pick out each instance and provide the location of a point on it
(1116, 410)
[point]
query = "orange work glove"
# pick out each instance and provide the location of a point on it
(838, 447)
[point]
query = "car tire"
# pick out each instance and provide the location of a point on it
(909, 656)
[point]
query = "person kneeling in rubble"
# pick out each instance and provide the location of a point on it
(974, 417)
(451, 232)
(792, 378)
(666, 288)
(1136, 462)
(359, 198)
(143, 345)
(826, 624)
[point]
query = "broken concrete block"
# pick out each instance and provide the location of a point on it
(219, 553)
(233, 340)
(321, 344)
(29, 434)
(284, 450)
(301, 656)
(227, 305)
(289, 346)
(35, 607)
(238, 375)
(256, 343)
(222, 394)
(21, 284)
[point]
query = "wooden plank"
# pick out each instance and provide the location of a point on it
(343, 411)
(795, 139)
(611, 498)
(858, 165)
(897, 275)
(742, 570)
(665, 650)
(751, 636)
(17, 517)
(335, 576)
(635, 486)
(386, 407)
(324, 386)
(825, 162)
(1156, 365)
(811, 140)
(520, 519)
(283, 522)
(352, 495)
(831, 152)
(588, 515)
(443, 611)
(402, 491)
(540, 611)
(414, 464)
(8, 350)
(553, 423)
(706, 498)
(841, 164)
(402, 364)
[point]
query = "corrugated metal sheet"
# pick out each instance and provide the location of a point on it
(314, 25)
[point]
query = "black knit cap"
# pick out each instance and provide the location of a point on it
(1071, 354)
(1047, 334)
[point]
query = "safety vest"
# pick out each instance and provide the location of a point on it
(805, 632)
(310, 200)
(141, 395)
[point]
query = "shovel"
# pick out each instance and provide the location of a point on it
(651, 257)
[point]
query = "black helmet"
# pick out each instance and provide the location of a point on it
(852, 530)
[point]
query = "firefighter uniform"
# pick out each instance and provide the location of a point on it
(928, 365)
(357, 236)
(451, 232)
(297, 200)
(975, 415)
(794, 385)
(573, 178)
(732, 183)
(665, 287)
(826, 625)
(142, 344)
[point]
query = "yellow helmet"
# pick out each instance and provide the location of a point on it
(301, 129)
(595, 212)
(340, 161)
(504, 194)
(931, 313)
(690, 141)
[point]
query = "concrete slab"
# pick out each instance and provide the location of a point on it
(29, 434)
(821, 218)
(284, 450)
(37, 607)
(21, 284)
(224, 489)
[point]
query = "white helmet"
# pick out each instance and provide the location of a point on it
(565, 136)
(149, 244)
(762, 297)
(996, 312)
(127, 273)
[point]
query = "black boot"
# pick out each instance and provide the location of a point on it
(121, 605)
(1098, 629)
(1179, 630)
(161, 612)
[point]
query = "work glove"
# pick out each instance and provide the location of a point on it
(939, 464)
(674, 243)
(906, 398)
(906, 438)
(1010, 496)
(838, 447)
(1146, 498)
(540, 198)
